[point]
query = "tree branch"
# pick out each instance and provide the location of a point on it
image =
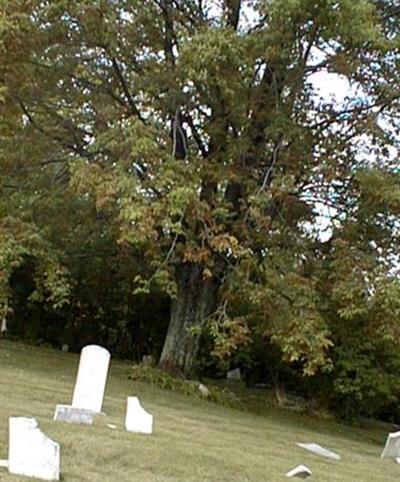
(125, 88)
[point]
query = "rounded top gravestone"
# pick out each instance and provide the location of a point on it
(91, 380)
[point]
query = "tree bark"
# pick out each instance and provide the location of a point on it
(195, 301)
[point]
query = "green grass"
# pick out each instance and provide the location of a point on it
(194, 440)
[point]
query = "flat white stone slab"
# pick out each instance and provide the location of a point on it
(392, 446)
(92, 377)
(301, 471)
(317, 449)
(4, 463)
(31, 452)
(67, 413)
(137, 419)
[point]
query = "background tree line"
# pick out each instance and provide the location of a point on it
(164, 168)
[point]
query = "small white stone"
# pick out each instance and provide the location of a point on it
(148, 361)
(67, 413)
(31, 452)
(137, 419)
(317, 449)
(112, 426)
(204, 390)
(392, 446)
(92, 377)
(300, 471)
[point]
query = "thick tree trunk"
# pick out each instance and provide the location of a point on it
(195, 301)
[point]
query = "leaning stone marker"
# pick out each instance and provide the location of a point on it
(137, 419)
(91, 379)
(317, 449)
(300, 471)
(66, 413)
(31, 452)
(392, 446)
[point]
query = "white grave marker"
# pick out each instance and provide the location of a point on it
(137, 419)
(300, 471)
(234, 374)
(392, 446)
(317, 449)
(91, 379)
(31, 452)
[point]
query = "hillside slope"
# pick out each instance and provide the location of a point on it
(193, 441)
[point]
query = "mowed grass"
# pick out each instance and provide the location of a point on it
(193, 440)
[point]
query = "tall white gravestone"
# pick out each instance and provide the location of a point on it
(31, 452)
(92, 377)
(137, 419)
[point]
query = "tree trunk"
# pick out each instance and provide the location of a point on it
(195, 301)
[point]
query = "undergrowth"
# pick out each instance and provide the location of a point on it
(161, 379)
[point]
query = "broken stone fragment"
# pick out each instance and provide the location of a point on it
(300, 471)
(31, 452)
(137, 419)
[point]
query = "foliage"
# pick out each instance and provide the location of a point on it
(176, 148)
(161, 379)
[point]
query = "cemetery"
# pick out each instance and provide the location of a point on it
(199, 240)
(145, 433)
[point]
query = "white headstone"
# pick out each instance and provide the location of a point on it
(392, 446)
(4, 463)
(234, 374)
(66, 413)
(137, 419)
(91, 380)
(317, 449)
(300, 471)
(31, 452)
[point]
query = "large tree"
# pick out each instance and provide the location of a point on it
(199, 131)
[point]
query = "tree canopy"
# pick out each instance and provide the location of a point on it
(182, 148)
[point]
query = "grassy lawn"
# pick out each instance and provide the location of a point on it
(194, 440)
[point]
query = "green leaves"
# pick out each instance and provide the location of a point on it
(20, 242)
(162, 141)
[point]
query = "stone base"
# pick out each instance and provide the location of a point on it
(67, 413)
